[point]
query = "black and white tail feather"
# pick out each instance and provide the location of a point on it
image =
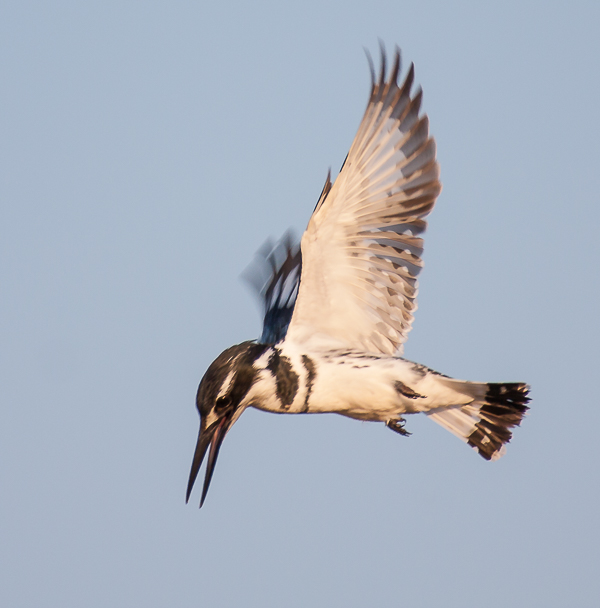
(338, 309)
(485, 423)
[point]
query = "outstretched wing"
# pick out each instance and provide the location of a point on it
(275, 276)
(361, 252)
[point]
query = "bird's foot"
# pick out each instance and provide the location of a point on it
(398, 426)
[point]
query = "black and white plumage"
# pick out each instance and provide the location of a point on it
(338, 311)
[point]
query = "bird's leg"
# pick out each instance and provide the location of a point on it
(397, 425)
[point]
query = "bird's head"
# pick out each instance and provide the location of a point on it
(221, 400)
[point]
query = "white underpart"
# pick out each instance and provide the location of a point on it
(355, 385)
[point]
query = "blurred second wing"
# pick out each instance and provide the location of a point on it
(275, 276)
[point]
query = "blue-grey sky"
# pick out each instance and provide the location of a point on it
(147, 150)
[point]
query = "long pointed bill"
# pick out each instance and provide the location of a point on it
(213, 436)
(218, 437)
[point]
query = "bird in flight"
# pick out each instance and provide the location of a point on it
(339, 308)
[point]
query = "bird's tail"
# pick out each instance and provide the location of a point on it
(486, 423)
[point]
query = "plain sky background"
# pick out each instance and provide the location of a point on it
(147, 150)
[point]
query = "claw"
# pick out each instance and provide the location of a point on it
(397, 425)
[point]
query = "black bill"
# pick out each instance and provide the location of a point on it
(213, 436)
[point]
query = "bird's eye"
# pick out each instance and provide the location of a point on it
(222, 403)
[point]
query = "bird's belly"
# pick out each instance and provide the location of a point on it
(361, 392)
(360, 385)
(354, 384)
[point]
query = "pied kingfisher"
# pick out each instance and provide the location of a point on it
(339, 308)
